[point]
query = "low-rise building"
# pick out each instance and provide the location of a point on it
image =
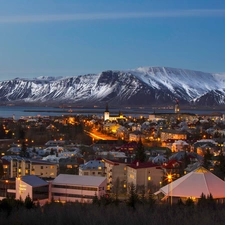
(92, 168)
(172, 134)
(72, 188)
(34, 187)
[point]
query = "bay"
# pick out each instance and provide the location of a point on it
(23, 111)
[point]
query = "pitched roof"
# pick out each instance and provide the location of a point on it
(194, 184)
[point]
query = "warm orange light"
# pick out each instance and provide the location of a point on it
(169, 177)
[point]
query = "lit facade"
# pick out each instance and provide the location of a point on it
(19, 166)
(144, 174)
(34, 187)
(115, 170)
(172, 134)
(74, 188)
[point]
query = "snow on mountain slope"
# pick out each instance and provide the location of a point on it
(193, 83)
(141, 86)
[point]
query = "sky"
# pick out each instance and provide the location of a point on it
(76, 37)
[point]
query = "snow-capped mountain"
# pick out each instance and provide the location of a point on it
(141, 86)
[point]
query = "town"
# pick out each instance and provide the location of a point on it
(80, 158)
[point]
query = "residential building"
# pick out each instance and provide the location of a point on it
(136, 136)
(115, 171)
(172, 134)
(92, 168)
(179, 146)
(72, 188)
(144, 176)
(16, 166)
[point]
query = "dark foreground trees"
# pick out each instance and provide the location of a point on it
(107, 214)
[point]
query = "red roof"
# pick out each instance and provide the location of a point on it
(138, 165)
(171, 164)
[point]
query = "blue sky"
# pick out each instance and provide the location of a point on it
(75, 37)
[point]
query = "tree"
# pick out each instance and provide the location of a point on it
(151, 200)
(202, 200)
(95, 200)
(189, 202)
(207, 158)
(28, 203)
(140, 152)
(23, 151)
(133, 196)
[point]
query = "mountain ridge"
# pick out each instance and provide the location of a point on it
(140, 86)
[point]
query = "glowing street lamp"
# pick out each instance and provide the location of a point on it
(170, 179)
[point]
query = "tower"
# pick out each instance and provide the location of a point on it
(106, 113)
(177, 108)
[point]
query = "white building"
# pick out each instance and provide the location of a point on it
(66, 187)
(32, 186)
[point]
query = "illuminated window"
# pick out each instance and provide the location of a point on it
(99, 167)
(149, 178)
(69, 166)
(125, 168)
(51, 167)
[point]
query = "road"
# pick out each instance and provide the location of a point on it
(97, 135)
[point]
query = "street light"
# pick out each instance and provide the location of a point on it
(170, 179)
(6, 182)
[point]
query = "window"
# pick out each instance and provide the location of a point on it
(41, 167)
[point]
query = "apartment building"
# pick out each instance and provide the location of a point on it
(92, 168)
(144, 175)
(16, 166)
(115, 170)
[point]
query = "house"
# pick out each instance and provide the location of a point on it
(145, 175)
(179, 145)
(136, 136)
(92, 168)
(55, 143)
(75, 188)
(172, 134)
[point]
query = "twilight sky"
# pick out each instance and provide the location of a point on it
(75, 37)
